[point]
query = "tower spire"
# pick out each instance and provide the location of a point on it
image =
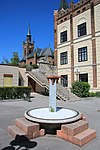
(29, 31)
(29, 34)
(63, 5)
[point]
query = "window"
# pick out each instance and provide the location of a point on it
(84, 9)
(8, 79)
(83, 77)
(29, 51)
(82, 29)
(63, 36)
(78, 11)
(63, 58)
(30, 63)
(82, 54)
(64, 80)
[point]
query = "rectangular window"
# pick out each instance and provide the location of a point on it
(83, 77)
(8, 79)
(30, 63)
(63, 36)
(82, 29)
(82, 54)
(30, 51)
(63, 58)
(64, 80)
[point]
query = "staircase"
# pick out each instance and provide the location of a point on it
(63, 93)
(77, 133)
(24, 129)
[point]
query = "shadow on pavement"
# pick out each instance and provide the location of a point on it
(21, 141)
(9, 148)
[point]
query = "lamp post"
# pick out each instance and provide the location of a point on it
(77, 72)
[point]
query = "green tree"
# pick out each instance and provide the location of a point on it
(15, 59)
(5, 61)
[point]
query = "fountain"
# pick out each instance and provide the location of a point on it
(65, 123)
(53, 117)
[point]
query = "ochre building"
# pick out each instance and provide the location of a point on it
(77, 42)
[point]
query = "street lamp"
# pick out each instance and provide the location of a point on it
(77, 72)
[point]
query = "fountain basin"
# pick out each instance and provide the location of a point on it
(52, 121)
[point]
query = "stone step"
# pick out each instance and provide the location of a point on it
(84, 137)
(61, 134)
(75, 128)
(27, 126)
(15, 131)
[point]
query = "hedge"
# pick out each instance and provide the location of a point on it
(81, 89)
(94, 94)
(14, 92)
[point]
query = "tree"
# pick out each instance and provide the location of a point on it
(5, 61)
(15, 59)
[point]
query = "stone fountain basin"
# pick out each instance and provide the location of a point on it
(52, 121)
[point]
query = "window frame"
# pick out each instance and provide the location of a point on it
(82, 30)
(63, 36)
(64, 80)
(7, 80)
(64, 58)
(85, 76)
(82, 54)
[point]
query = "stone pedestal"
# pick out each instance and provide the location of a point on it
(52, 92)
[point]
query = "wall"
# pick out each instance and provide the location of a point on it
(39, 89)
(5, 69)
(23, 77)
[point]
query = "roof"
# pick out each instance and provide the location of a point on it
(29, 30)
(63, 5)
(46, 52)
(23, 59)
(40, 53)
(38, 50)
(30, 55)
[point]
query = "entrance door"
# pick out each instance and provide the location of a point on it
(32, 83)
(64, 80)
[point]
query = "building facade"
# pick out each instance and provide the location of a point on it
(9, 75)
(77, 42)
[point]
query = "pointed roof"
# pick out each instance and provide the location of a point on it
(46, 52)
(63, 5)
(29, 34)
(29, 30)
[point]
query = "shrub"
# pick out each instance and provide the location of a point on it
(29, 68)
(34, 66)
(81, 89)
(14, 92)
(97, 94)
(92, 94)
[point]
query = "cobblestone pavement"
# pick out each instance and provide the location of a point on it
(10, 110)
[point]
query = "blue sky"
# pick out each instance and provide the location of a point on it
(15, 15)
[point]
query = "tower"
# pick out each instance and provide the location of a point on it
(63, 5)
(28, 45)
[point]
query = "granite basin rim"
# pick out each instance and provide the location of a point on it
(37, 118)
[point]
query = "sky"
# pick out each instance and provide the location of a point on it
(15, 15)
